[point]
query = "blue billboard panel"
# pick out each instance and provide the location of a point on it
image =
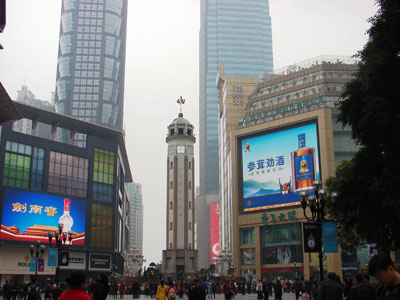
(29, 216)
(330, 237)
(276, 166)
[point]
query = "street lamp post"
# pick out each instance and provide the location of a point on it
(316, 203)
(62, 240)
(38, 254)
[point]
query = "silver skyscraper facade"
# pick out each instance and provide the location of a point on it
(91, 61)
(237, 33)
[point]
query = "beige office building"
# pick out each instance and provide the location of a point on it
(290, 110)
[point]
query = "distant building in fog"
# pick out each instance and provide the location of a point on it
(25, 125)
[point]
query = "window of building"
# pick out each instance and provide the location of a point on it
(171, 132)
(101, 226)
(190, 204)
(102, 192)
(189, 132)
(171, 185)
(171, 165)
(190, 184)
(170, 204)
(37, 169)
(23, 166)
(17, 165)
(180, 130)
(103, 170)
(190, 165)
(190, 225)
(170, 225)
(68, 174)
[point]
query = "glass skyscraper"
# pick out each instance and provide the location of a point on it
(91, 61)
(238, 34)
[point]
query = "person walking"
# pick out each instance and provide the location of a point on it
(77, 283)
(278, 290)
(362, 290)
(121, 289)
(330, 289)
(171, 291)
(259, 290)
(297, 288)
(100, 287)
(265, 289)
(197, 292)
(228, 290)
(381, 267)
(161, 291)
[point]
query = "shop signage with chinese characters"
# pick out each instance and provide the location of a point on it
(276, 218)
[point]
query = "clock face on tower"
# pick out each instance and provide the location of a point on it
(180, 149)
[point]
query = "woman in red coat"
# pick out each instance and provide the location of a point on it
(121, 288)
(76, 290)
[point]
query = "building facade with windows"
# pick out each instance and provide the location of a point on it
(43, 179)
(237, 33)
(91, 61)
(233, 94)
(288, 129)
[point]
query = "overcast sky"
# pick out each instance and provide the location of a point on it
(162, 63)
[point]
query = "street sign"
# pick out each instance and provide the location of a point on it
(312, 237)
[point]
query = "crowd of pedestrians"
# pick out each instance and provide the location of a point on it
(386, 287)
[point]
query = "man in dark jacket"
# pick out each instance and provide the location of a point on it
(99, 290)
(361, 290)
(381, 267)
(330, 289)
(197, 292)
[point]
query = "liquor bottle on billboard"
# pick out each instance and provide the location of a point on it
(303, 165)
(66, 220)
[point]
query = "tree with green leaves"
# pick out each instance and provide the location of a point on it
(368, 209)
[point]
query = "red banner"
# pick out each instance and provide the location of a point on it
(214, 231)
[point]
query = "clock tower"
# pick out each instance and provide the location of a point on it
(180, 256)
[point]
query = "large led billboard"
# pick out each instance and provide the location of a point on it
(214, 231)
(277, 165)
(29, 216)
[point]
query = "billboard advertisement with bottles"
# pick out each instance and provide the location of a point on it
(277, 165)
(29, 216)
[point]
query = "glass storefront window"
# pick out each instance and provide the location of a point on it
(247, 236)
(281, 244)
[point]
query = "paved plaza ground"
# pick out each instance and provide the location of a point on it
(286, 296)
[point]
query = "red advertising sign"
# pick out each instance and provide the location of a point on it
(214, 231)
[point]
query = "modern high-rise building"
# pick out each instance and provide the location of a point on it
(237, 33)
(136, 215)
(135, 261)
(91, 61)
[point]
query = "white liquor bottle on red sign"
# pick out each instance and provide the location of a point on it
(66, 219)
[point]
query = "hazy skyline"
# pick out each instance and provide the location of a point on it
(162, 59)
